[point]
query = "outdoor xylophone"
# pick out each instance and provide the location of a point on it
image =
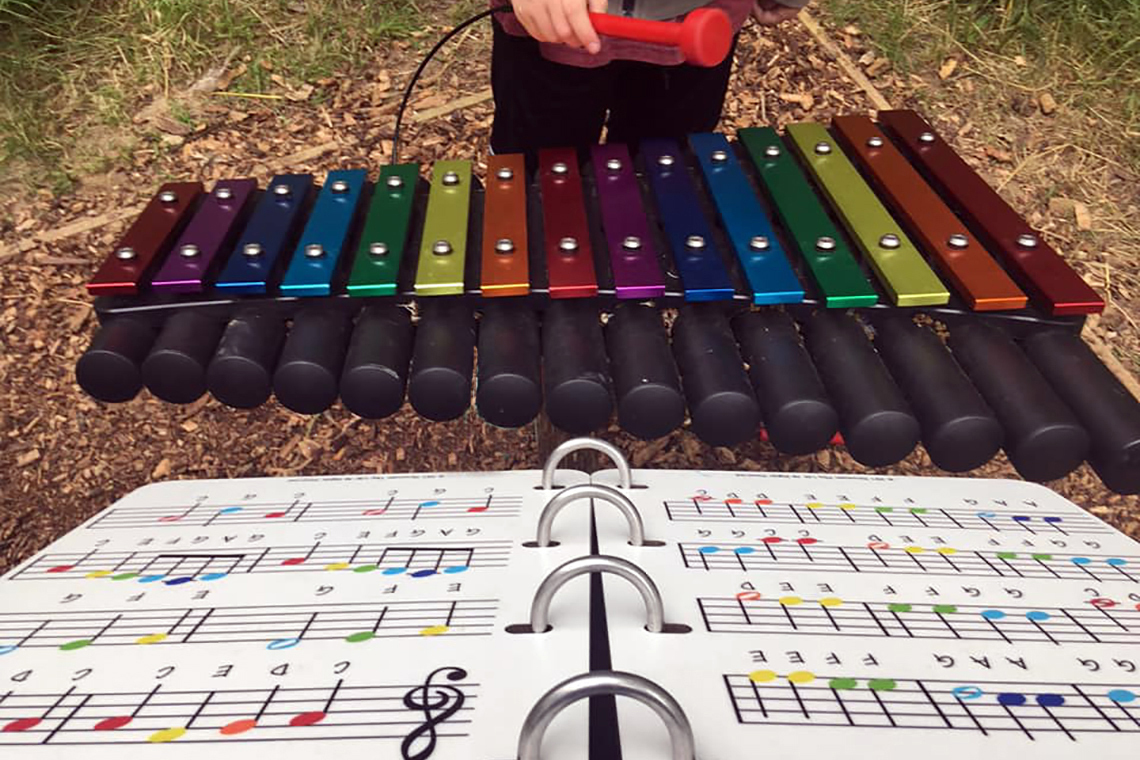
(780, 254)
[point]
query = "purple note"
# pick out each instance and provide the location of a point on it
(633, 257)
(206, 237)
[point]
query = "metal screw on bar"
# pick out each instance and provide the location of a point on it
(168, 196)
(126, 253)
(189, 251)
(441, 248)
(568, 245)
(822, 148)
(719, 156)
(631, 243)
(450, 179)
(613, 165)
(926, 137)
(378, 249)
(282, 191)
(759, 243)
(889, 241)
(340, 187)
(958, 241)
(252, 249)
(504, 246)
(314, 250)
(223, 193)
(695, 242)
(1027, 240)
(772, 151)
(560, 169)
(666, 160)
(825, 244)
(505, 174)
(875, 141)
(395, 182)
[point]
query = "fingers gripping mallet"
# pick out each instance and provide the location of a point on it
(704, 36)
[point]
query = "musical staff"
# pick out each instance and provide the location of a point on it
(173, 568)
(708, 510)
(278, 713)
(808, 554)
(748, 612)
(804, 698)
(347, 510)
(277, 626)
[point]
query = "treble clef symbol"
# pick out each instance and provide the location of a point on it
(438, 702)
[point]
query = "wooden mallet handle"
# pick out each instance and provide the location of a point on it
(704, 36)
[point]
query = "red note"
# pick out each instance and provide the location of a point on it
(308, 718)
(110, 724)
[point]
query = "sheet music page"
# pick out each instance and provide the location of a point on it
(363, 616)
(859, 617)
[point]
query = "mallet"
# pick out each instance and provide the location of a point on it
(704, 36)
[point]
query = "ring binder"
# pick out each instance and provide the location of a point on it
(606, 683)
(625, 474)
(597, 563)
(589, 491)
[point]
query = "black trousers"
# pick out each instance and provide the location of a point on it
(540, 104)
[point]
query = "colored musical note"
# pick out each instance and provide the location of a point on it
(749, 612)
(313, 717)
(706, 509)
(438, 702)
(765, 697)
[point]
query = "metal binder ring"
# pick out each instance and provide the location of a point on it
(590, 491)
(607, 682)
(577, 444)
(597, 563)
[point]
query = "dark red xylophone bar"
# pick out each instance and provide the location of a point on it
(132, 260)
(1038, 268)
(566, 233)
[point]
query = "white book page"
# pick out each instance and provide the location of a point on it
(860, 617)
(358, 615)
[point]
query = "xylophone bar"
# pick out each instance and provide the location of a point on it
(1037, 266)
(374, 293)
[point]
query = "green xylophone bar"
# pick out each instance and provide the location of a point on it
(833, 266)
(386, 231)
(899, 266)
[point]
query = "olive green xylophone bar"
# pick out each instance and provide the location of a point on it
(857, 277)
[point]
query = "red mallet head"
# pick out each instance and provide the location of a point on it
(706, 37)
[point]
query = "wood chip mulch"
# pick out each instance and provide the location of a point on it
(64, 456)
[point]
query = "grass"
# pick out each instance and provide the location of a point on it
(69, 68)
(1086, 53)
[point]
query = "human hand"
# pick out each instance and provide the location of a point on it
(771, 13)
(565, 21)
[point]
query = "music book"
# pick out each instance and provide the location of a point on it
(440, 616)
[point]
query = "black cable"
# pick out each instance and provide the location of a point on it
(423, 64)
